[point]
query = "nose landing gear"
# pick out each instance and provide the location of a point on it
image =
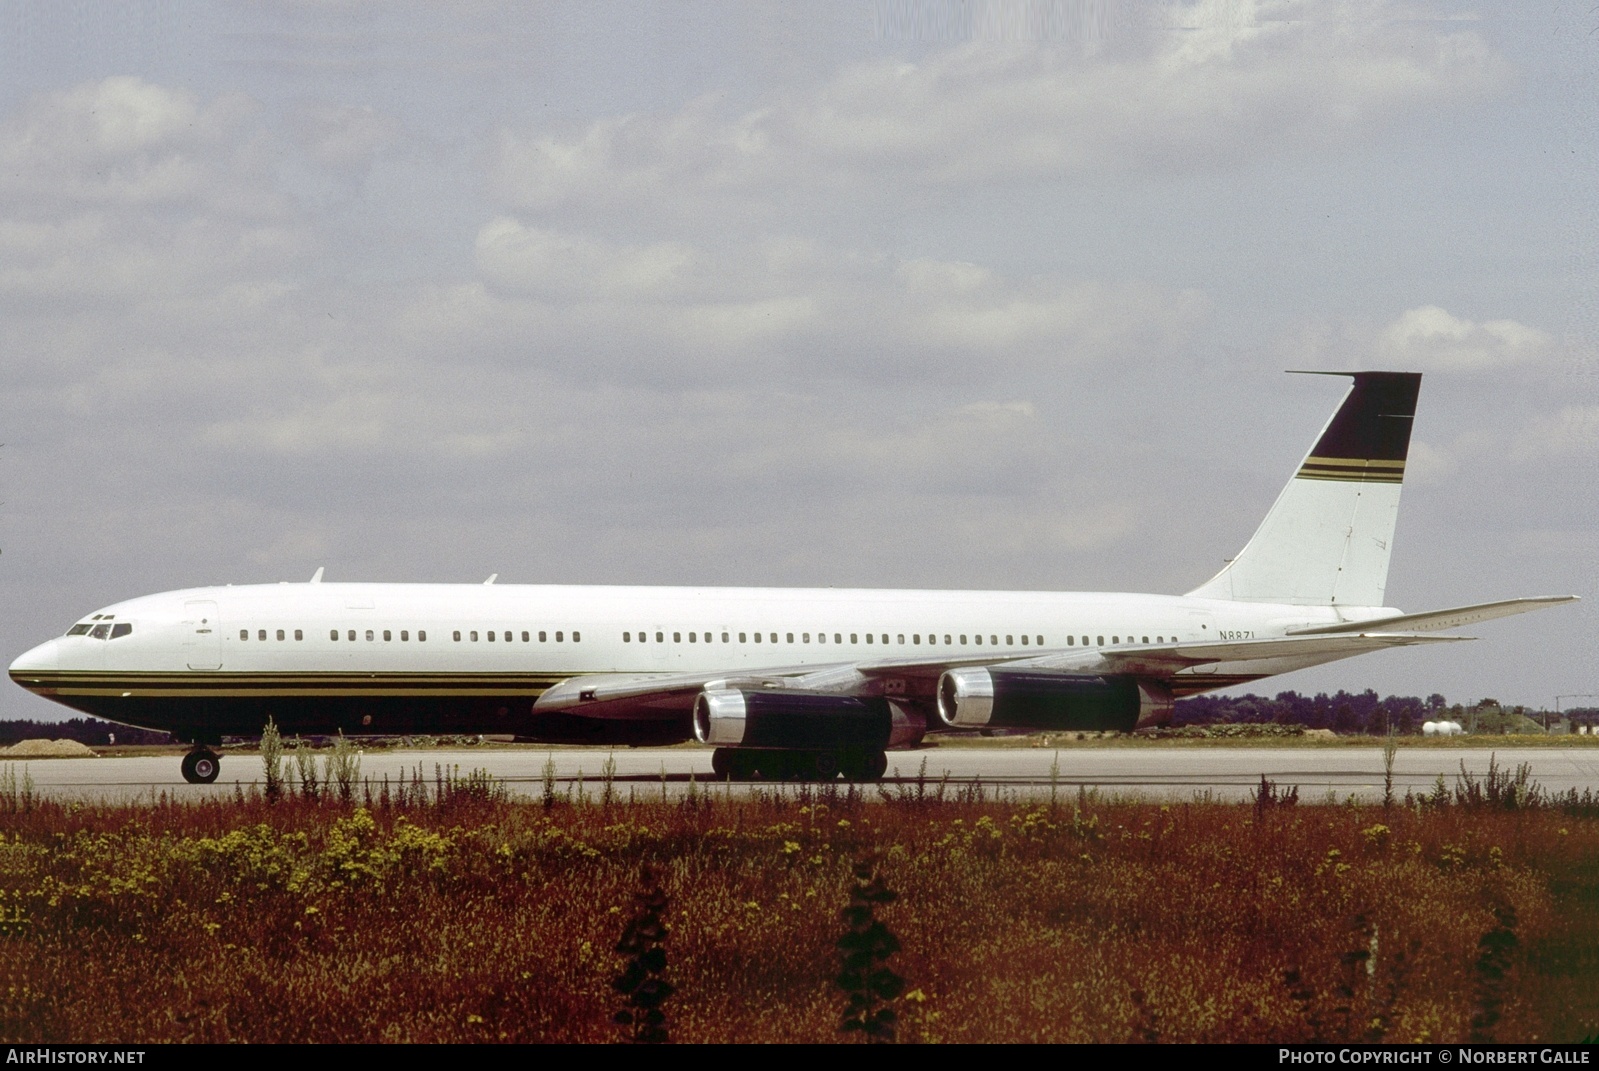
(201, 766)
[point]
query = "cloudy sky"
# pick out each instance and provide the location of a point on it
(944, 294)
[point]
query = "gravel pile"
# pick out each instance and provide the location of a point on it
(47, 749)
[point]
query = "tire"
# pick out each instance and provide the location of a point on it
(741, 764)
(876, 765)
(722, 763)
(201, 767)
(772, 765)
(825, 765)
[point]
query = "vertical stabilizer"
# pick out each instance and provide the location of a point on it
(1328, 538)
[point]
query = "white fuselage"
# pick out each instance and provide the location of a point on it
(569, 630)
(396, 659)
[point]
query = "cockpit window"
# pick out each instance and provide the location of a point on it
(100, 632)
(120, 629)
(79, 630)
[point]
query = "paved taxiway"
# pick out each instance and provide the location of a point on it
(1166, 773)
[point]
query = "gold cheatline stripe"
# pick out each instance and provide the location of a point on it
(205, 684)
(199, 677)
(296, 692)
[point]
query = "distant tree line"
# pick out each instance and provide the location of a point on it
(91, 731)
(1358, 712)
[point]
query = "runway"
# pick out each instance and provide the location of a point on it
(1322, 774)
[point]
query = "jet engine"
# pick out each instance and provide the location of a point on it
(728, 717)
(999, 698)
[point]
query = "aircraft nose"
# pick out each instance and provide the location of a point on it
(45, 657)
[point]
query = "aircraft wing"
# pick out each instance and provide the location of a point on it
(1157, 660)
(617, 694)
(1433, 620)
(664, 690)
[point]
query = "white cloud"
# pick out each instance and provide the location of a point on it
(1430, 339)
(779, 307)
(1221, 81)
(342, 135)
(1571, 431)
(125, 141)
(545, 263)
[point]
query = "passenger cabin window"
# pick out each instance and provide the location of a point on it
(1009, 642)
(559, 637)
(421, 636)
(577, 637)
(404, 635)
(281, 636)
(350, 635)
(333, 634)
(299, 634)
(387, 636)
(525, 637)
(261, 634)
(724, 637)
(473, 635)
(491, 635)
(244, 634)
(458, 636)
(544, 637)
(790, 637)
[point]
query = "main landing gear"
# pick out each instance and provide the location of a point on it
(751, 764)
(201, 766)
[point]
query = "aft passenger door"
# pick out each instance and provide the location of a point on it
(202, 635)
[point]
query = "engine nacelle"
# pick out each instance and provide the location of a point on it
(812, 721)
(999, 698)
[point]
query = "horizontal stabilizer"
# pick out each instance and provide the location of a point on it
(1433, 620)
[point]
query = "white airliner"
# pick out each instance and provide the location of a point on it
(783, 682)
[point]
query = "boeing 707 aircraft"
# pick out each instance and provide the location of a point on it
(782, 682)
